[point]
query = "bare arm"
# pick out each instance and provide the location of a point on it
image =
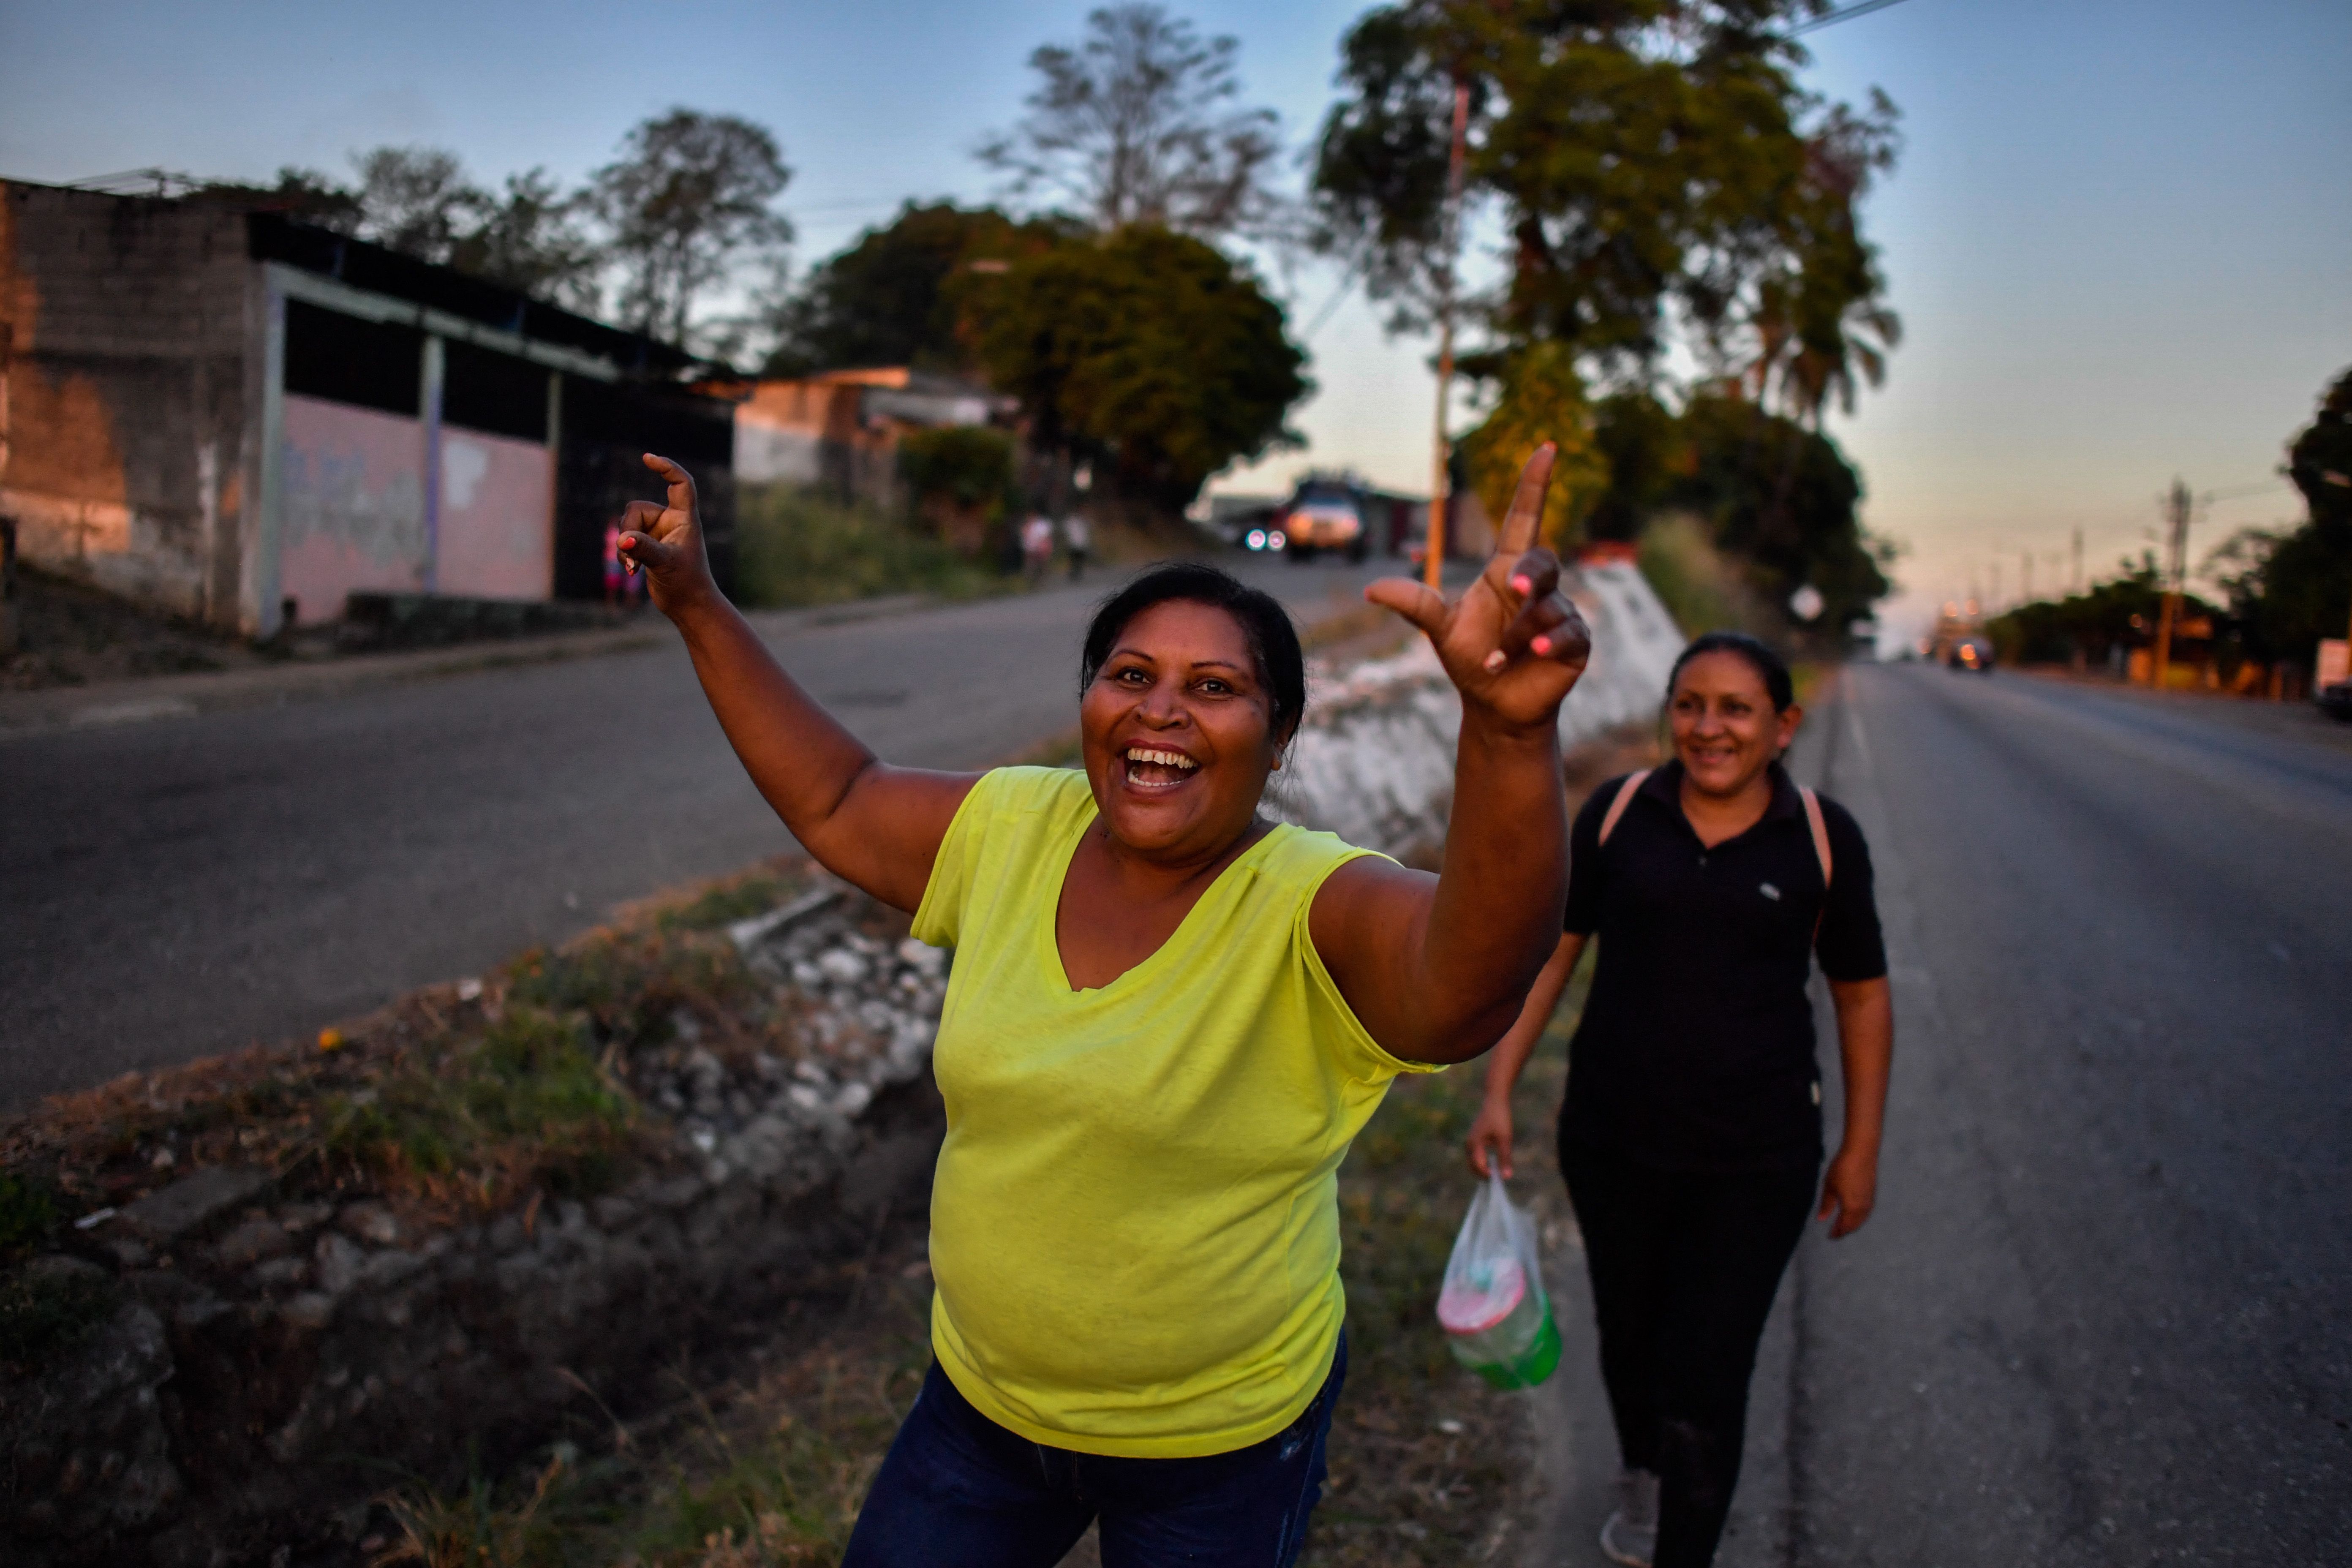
(1437, 967)
(1491, 1136)
(1865, 1017)
(875, 826)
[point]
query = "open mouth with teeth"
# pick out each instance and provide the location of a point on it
(1156, 768)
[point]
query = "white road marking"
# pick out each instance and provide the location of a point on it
(1853, 727)
(133, 711)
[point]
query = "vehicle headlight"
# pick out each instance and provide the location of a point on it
(1258, 538)
(1277, 540)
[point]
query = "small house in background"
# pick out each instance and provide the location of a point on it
(839, 430)
(224, 414)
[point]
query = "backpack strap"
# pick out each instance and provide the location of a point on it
(1820, 830)
(1625, 798)
(1820, 849)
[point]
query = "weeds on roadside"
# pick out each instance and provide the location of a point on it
(44, 1312)
(527, 1101)
(764, 1475)
(29, 1211)
(795, 547)
(473, 1530)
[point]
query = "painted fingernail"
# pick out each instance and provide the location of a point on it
(1541, 645)
(1495, 660)
(1523, 584)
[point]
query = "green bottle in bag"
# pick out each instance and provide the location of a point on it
(1496, 1317)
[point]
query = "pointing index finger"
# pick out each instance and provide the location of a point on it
(1526, 516)
(681, 483)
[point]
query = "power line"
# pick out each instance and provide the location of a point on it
(2239, 492)
(1331, 306)
(1830, 19)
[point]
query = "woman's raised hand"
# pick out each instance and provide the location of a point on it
(663, 540)
(1512, 644)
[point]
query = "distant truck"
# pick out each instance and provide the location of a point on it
(1321, 514)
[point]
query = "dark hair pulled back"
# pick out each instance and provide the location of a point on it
(1769, 667)
(1265, 626)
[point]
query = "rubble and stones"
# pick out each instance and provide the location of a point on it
(267, 1332)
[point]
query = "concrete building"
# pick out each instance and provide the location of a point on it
(241, 418)
(839, 430)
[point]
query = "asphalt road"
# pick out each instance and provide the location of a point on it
(2103, 1312)
(190, 885)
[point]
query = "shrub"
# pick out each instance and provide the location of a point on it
(971, 466)
(794, 547)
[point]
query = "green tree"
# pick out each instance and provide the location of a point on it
(1817, 327)
(686, 203)
(890, 298)
(1654, 163)
(1542, 399)
(2291, 588)
(419, 201)
(964, 465)
(416, 200)
(305, 195)
(1642, 442)
(1662, 181)
(531, 236)
(1139, 124)
(1783, 500)
(1144, 351)
(2121, 612)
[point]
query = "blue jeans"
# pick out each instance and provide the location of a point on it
(957, 1490)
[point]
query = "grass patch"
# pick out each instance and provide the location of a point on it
(788, 1495)
(765, 1471)
(527, 1101)
(458, 1098)
(28, 1212)
(630, 983)
(794, 547)
(737, 899)
(479, 1529)
(46, 1311)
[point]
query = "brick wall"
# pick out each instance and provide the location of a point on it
(124, 418)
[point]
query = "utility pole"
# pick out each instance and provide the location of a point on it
(2025, 576)
(1434, 567)
(2177, 506)
(2078, 558)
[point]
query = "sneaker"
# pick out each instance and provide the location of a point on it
(1631, 1536)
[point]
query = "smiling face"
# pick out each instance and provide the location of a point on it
(1726, 732)
(1178, 733)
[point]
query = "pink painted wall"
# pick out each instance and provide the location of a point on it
(352, 507)
(497, 527)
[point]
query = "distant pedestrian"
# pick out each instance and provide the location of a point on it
(1076, 539)
(1037, 546)
(1692, 1135)
(1168, 1018)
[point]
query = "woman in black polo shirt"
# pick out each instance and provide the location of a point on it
(1692, 1135)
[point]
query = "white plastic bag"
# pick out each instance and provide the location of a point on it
(1496, 1317)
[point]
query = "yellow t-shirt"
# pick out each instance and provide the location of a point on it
(1135, 1229)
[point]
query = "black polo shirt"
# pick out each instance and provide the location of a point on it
(1696, 1051)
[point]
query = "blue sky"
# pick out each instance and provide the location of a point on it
(2120, 237)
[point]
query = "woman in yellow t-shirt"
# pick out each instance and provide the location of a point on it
(1167, 1018)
